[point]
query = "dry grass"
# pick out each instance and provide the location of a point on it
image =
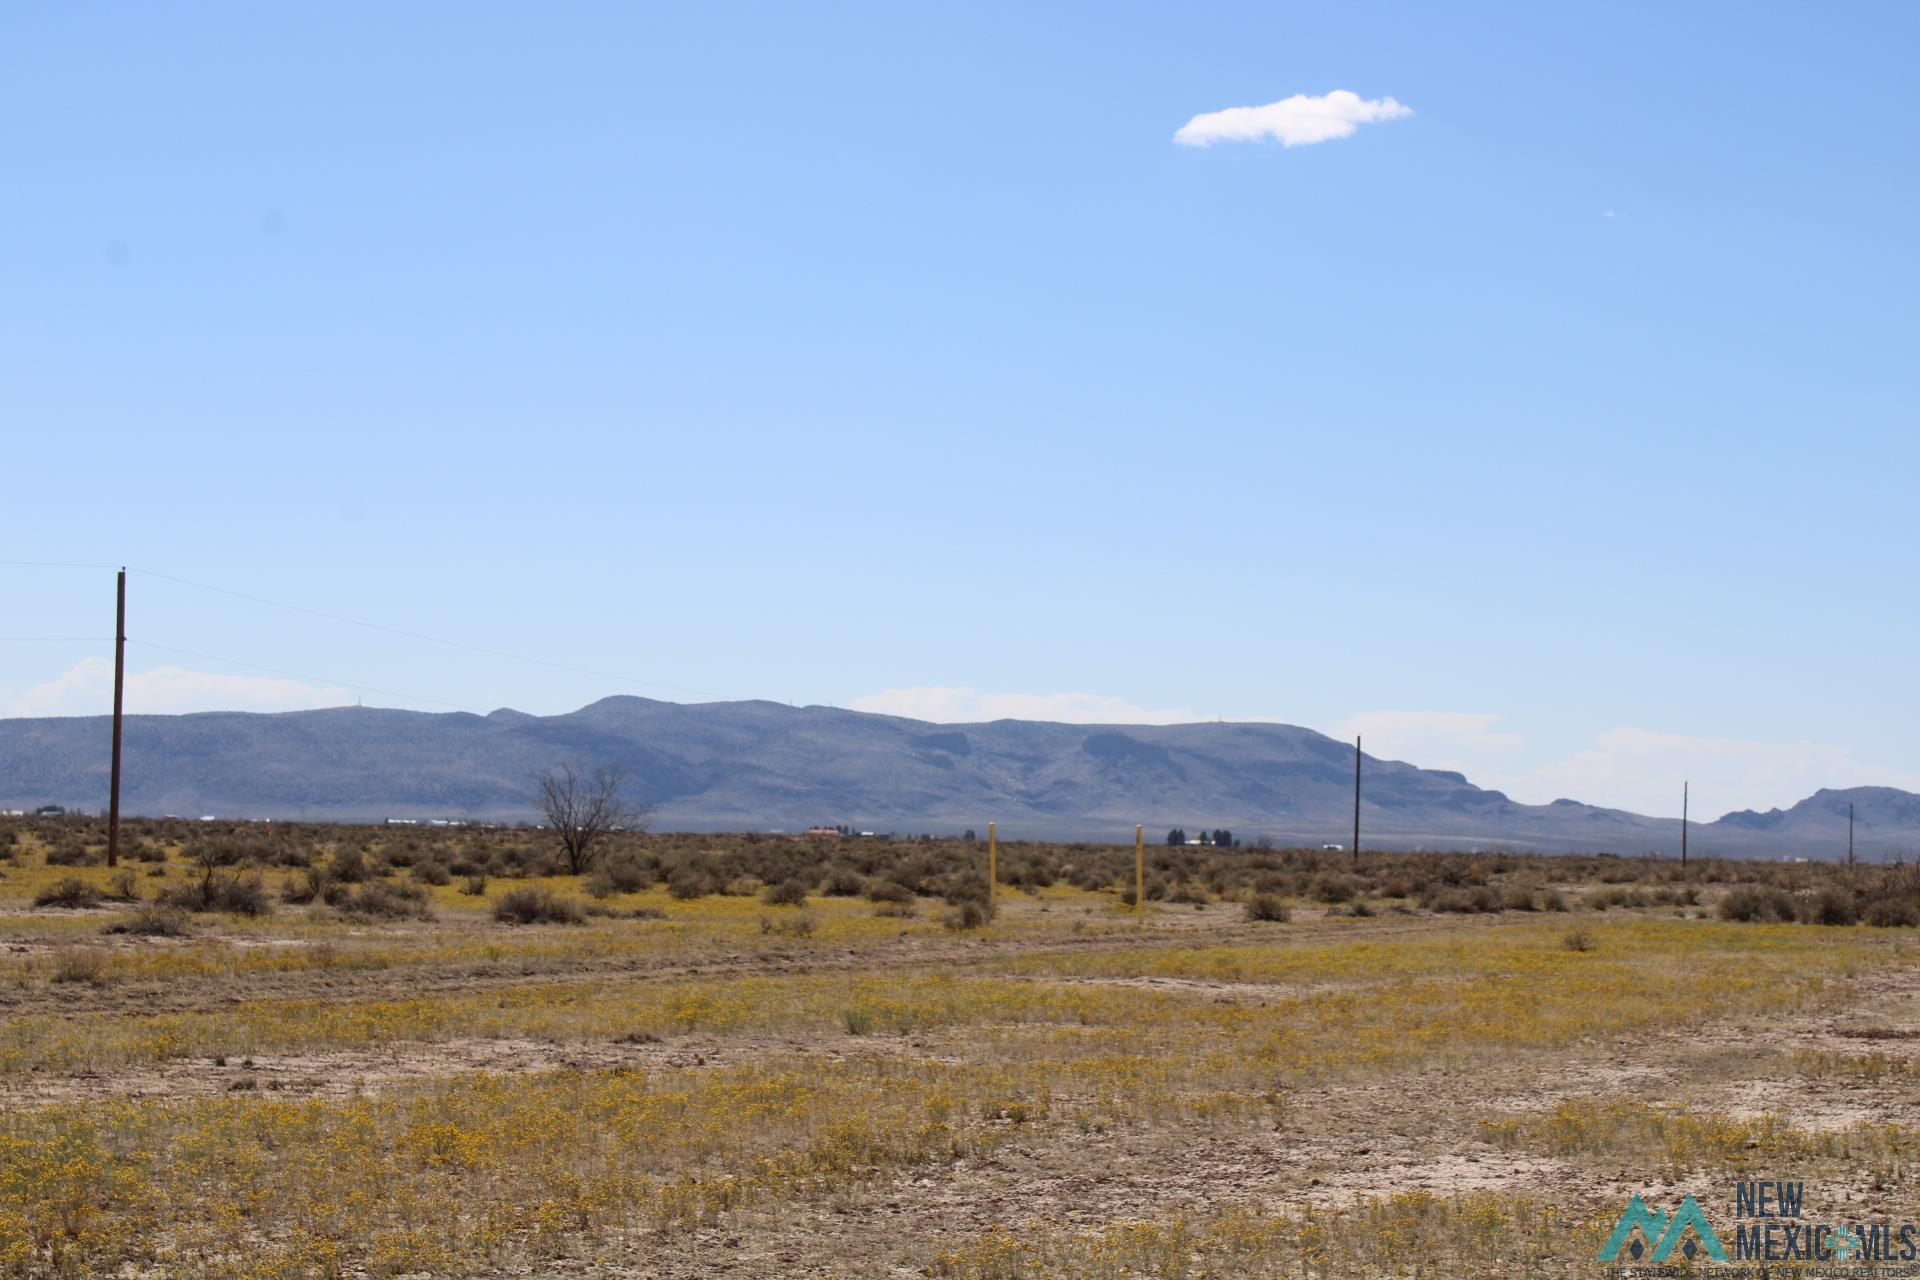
(784, 1075)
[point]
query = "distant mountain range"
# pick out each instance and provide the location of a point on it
(765, 765)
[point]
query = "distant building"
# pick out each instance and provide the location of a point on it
(51, 811)
(825, 833)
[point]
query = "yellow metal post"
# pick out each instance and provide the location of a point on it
(1140, 875)
(993, 864)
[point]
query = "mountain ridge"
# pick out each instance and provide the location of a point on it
(758, 764)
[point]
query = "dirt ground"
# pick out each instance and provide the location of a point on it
(1333, 1144)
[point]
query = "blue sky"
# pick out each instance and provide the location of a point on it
(1558, 428)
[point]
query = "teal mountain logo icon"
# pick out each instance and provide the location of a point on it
(1687, 1230)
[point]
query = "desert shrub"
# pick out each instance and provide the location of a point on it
(350, 866)
(386, 900)
(917, 873)
(897, 910)
(788, 893)
(800, 926)
(963, 887)
(241, 895)
(79, 964)
(1893, 913)
(432, 872)
(1188, 893)
(601, 911)
(878, 890)
(236, 894)
(74, 853)
(623, 873)
(1032, 875)
(154, 920)
(214, 849)
(1579, 938)
(1474, 898)
(1830, 906)
(1757, 903)
(536, 905)
(969, 913)
(688, 883)
(124, 885)
(1269, 907)
(842, 882)
(1553, 900)
(71, 892)
(475, 886)
(305, 886)
(1332, 889)
(1518, 898)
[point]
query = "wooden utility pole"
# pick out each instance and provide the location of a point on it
(993, 864)
(1850, 834)
(119, 689)
(1140, 875)
(1356, 797)
(1684, 787)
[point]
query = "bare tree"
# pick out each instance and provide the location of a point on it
(582, 806)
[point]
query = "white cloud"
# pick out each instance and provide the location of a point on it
(1608, 214)
(87, 690)
(1637, 769)
(969, 706)
(1294, 122)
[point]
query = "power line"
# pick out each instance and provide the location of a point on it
(54, 564)
(297, 675)
(56, 639)
(416, 635)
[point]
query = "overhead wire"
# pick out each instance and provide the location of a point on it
(404, 633)
(422, 636)
(298, 675)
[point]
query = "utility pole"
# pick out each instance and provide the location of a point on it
(1684, 788)
(993, 864)
(1140, 875)
(119, 689)
(1849, 833)
(1356, 797)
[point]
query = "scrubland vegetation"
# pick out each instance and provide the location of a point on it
(311, 1051)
